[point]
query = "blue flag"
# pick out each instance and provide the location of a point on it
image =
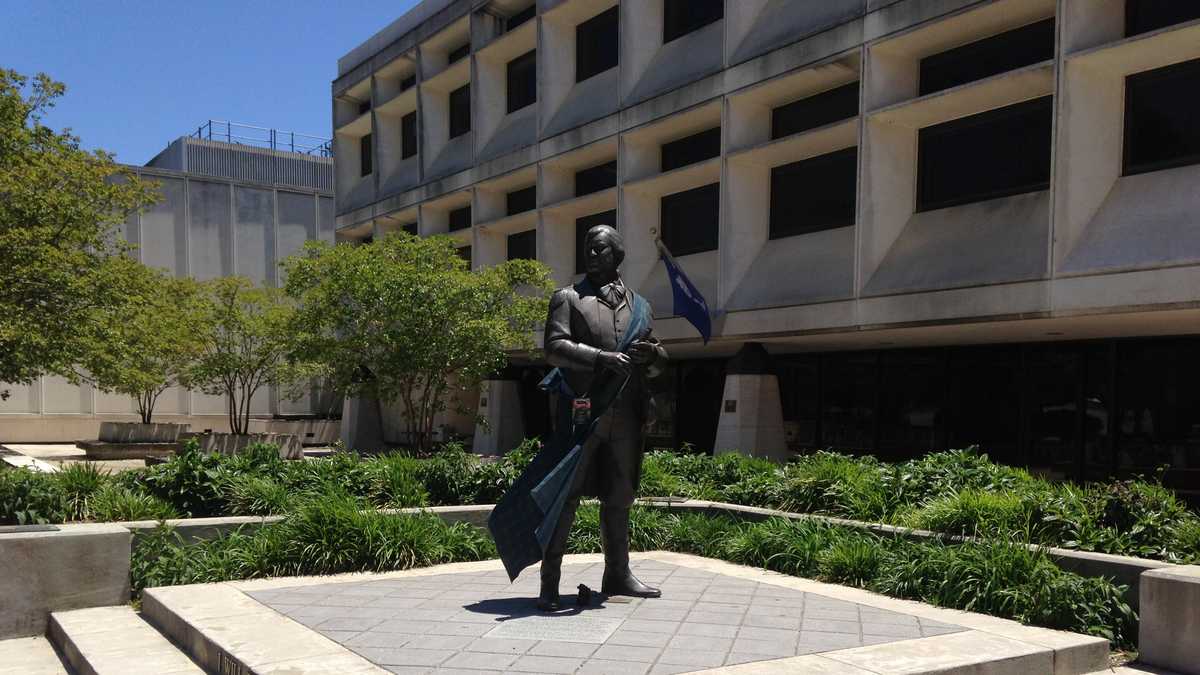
(689, 303)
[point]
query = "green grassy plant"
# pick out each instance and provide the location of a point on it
(115, 503)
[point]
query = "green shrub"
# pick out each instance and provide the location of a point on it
(191, 481)
(116, 504)
(853, 560)
(974, 512)
(394, 482)
(31, 497)
(79, 482)
(821, 482)
(249, 495)
(1187, 540)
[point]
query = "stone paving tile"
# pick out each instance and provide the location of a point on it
(441, 624)
(602, 667)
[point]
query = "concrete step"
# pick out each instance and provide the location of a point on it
(30, 656)
(115, 640)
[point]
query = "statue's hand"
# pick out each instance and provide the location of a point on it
(642, 353)
(614, 361)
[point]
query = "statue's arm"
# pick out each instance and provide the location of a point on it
(561, 350)
(659, 362)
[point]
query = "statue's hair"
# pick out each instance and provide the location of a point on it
(614, 238)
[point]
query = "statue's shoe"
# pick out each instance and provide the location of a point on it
(548, 599)
(627, 584)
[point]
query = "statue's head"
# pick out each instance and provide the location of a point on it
(603, 250)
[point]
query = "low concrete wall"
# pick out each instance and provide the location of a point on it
(136, 432)
(72, 567)
(233, 444)
(309, 431)
(1169, 634)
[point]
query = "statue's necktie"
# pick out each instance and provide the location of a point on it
(613, 294)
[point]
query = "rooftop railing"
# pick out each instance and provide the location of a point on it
(263, 137)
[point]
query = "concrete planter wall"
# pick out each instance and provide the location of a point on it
(235, 444)
(310, 431)
(136, 432)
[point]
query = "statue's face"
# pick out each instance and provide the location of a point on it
(600, 255)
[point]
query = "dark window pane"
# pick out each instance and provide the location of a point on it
(690, 220)
(849, 384)
(522, 81)
(692, 149)
(595, 179)
(520, 17)
(408, 135)
(1143, 16)
(911, 403)
(1054, 393)
(990, 56)
(410, 228)
(596, 44)
(366, 163)
(408, 82)
(985, 401)
(815, 111)
(1158, 410)
(460, 219)
(681, 17)
(459, 53)
(1161, 109)
(799, 395)
(814, 194)
(460, 111)
(464, 252)
(364, 106)
(993, 154)
(520, 201)
(523, 245)
(582, 225)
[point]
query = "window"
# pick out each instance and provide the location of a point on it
(690, 220)
(520, 17)
(694, 148)
(596, 178)
(410, 228)
(582, 225)
(993, 154)
(460, 111)
(464, 252)
(460, 219)
(366, 163)
(522, 81)
(458, 53)
(815, 111)
(596, 44)
(681, 17)
(1143, 16)
(408, 135)
(990, 56)
(364, 106)
(523, 245)
(814, 194)
(520, 201)
(408, 82)
(1161, 107)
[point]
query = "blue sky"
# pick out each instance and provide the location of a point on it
(142, 73)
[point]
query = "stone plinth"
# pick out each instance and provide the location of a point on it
(751, 412)
(1169, 634)
(136, 432)
(66, 567)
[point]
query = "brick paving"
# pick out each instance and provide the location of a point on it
(476, 623)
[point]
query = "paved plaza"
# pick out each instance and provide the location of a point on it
(479, 623)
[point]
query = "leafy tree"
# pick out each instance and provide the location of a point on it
(60, 207)
(403, 319)
(244, 344)
(150, 340)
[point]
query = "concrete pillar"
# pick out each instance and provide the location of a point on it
(1170, 619)
(361, 427)
(500, 405)
(751, 413)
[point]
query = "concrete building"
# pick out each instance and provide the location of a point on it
(235, 200)
(948, 223)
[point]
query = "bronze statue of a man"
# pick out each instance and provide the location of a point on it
(586, 329)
